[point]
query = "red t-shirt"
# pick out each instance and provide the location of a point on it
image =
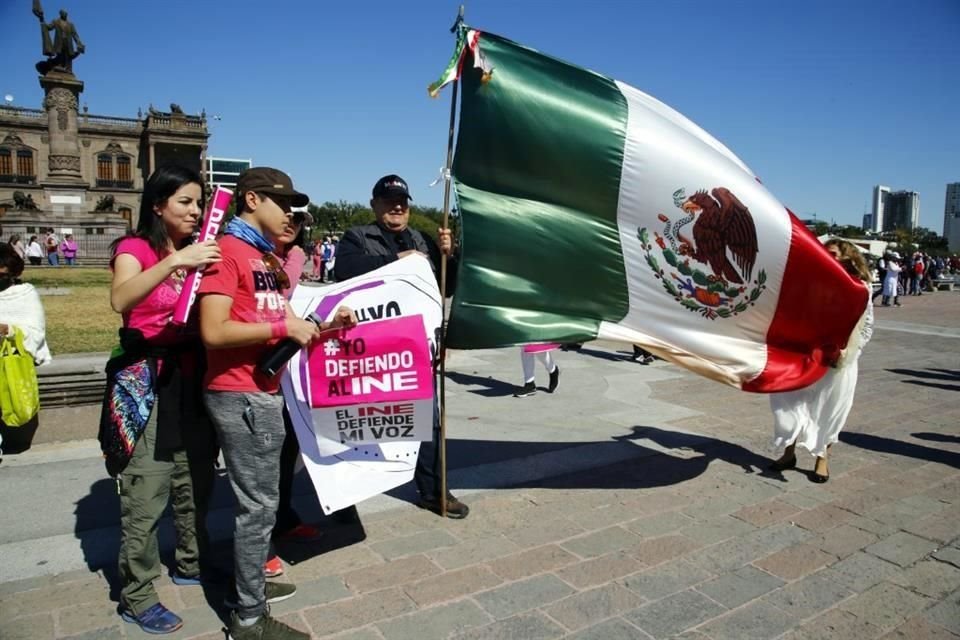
(241, 275)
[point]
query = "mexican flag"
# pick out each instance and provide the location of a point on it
(592, 210)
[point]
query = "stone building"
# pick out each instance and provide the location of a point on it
(80, 173)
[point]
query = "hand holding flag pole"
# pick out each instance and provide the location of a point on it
(457, 26)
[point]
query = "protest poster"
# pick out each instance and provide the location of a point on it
(349, 467)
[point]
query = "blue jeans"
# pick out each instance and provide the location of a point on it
(53, 259)
(70, 261)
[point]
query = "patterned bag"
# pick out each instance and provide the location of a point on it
(19, 392)
(128, 401)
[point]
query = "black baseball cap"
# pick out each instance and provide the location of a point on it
(391, 186)
(271, 182)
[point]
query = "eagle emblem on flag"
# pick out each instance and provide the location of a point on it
(712, 273)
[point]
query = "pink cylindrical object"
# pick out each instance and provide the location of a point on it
(212, 221)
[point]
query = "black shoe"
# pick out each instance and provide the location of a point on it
(455, 509)
(265, 628)
(783, 465)
(554, 379)
(526, 390)
(273, 591)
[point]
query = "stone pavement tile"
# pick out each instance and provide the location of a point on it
(601, 542)
(516, 597)
(394, 573)
(941, 527)
(880, 529)
(313, 592)
(656, 550)
(26, 584)
(435, 622)
(730, 555)
(531, 562)
(294, 620)
(946, 614)
(809, 596)
(109, 633)
(659, 524)
(615, 629)
(666, 579)
(674, 614)
(414, 543)
(451, 585)
(49, 598)
(948, 554)
(740, 586)
(86, 617)
(705, 508)
(357, 556)
(765, 513)
(589, 573)
(844, 540)
(822, 518)
(590, 607)
(357, 612)
(930, 577)
(795, 562)
(861, 571)
(886, 605)
(26, 627)
(367, 633)
(801, 500)
(477, 550)
(716, 529)
(529, 626)
(386, 529)
(946, 491)
(835, 625)
(652, 503)
(903, 513)
(756, 621)
(902, 548)
(543, 532)
(754, 490)
(602, 516)
(917, 628)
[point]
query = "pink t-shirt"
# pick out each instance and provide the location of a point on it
(152, 315)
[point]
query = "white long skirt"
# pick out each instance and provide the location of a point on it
(813, 417)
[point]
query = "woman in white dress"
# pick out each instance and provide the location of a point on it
(891, 280)
(813, 417)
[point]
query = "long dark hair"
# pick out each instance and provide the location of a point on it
(162, 184)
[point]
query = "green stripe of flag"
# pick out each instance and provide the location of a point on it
(537, 176)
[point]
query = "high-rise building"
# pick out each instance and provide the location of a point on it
(867, 222)
(901, 211)
(951, 217)
(223, 172)
(880, 194)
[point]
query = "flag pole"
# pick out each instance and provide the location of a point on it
(443, 290)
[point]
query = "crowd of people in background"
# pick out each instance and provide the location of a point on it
(47, 246)
(911, 274)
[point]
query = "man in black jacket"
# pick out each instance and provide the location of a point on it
(371, 246)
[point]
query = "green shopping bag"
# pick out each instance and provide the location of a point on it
(19, 392)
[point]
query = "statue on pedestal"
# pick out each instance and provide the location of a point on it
(63, 48)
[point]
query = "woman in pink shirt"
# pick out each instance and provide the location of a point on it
(156, 437)
(69, 250)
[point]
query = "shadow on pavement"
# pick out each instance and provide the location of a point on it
(900, 448)
(930, 374)
(936, 437)
(493, 388)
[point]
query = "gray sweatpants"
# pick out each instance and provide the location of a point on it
(250, 427)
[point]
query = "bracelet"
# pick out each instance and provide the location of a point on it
(278, 329)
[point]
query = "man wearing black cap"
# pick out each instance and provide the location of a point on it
(371, 246)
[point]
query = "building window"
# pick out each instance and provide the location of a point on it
(21, 170)
(113, 168)
(123, 169)
(104, 167)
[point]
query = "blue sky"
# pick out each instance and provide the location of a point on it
(822, 98)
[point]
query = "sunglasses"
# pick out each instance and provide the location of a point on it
(273, 265)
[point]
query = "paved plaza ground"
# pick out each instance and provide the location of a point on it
(632, 503)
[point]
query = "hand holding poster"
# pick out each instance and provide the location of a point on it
(401, 303)
(212, 218)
